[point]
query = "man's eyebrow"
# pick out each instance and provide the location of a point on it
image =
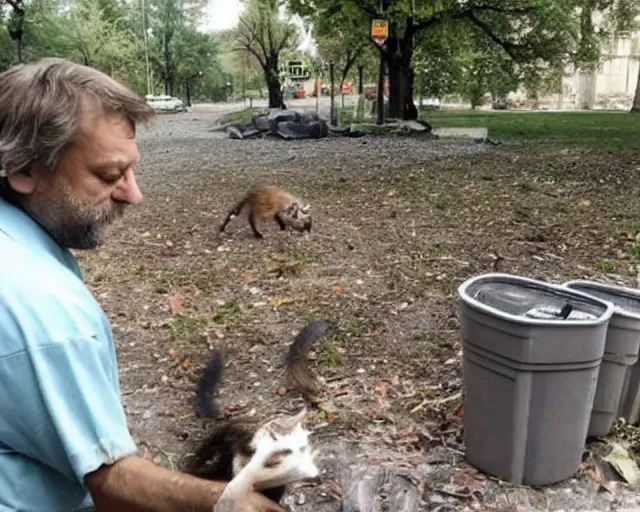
(116, 163)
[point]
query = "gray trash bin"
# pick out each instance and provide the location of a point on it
(532, 351)
(618, 388)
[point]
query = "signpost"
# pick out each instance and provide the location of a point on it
(380, 33)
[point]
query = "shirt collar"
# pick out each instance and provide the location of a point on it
(19, 226)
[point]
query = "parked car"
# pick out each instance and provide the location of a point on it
(165, 103)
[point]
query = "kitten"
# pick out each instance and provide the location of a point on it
(264, 457)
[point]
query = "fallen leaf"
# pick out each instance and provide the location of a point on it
(336, 288)
(599, 478)
(175, 303)
(381, 387)
(280, 302)
(234, 410)
(282, 390)
(340, 392)
(249, 277)
(622, 462)
(467, 480)
(187, 363)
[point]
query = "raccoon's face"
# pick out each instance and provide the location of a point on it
(301, 214)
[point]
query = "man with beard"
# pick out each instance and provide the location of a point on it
(67, 158)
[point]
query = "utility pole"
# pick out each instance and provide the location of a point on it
(380, 92)
(146, 46)
(331, 79)
(379, 33)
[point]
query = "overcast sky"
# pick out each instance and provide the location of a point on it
(223, 14)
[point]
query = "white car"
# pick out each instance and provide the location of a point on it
(165, 103)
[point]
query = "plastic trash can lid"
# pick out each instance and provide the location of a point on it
(626, 300)
(531, 301)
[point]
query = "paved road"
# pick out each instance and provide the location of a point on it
(323, 103)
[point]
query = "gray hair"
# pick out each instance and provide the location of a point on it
(40, 105)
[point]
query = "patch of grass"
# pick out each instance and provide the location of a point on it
(229, 311)
(187, 328)
(596, 130)
(608, 267)
(174, 279)
(307, 256)
(330, 354)
(426, 337)
(240, 116)
(634, 248)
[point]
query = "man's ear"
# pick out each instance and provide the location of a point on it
(22, 182)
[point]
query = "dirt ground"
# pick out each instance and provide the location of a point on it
(399, 223)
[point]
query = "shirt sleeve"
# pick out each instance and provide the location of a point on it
(71, 412)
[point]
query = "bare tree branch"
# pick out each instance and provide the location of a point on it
(465, 13)
(254, 38)
(503, 10)
(510, 48)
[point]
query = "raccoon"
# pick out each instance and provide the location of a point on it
(267, 203)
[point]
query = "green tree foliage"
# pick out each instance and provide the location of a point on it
(522, 30)
(110, 35)
(343, 39)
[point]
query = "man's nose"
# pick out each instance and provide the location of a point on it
(127, 190)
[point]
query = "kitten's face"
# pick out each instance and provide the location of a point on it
(283, 453)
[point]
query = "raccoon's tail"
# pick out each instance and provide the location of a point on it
(234, 212)
(208, 385)
(298, 375)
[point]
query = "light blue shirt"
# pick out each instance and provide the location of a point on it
(60, 410)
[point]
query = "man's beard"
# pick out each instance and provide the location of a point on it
(69, 221)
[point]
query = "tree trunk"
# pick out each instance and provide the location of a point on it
(19, 48)
(398, 56)
(168, 67)
(187, 92)
(274, 88)
(16, 29)
(401, 79)
(636, 99)
(586, 85)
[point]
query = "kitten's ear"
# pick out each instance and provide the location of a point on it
(283, 426)
(273, 430)
(300, 417)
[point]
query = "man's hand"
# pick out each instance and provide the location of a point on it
(134, 484)
(255, 502)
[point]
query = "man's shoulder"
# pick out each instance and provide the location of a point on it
(42, 301)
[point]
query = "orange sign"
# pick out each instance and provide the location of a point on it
(379, 29)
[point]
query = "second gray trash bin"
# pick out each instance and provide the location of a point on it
(618, 388)
(532, 351)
